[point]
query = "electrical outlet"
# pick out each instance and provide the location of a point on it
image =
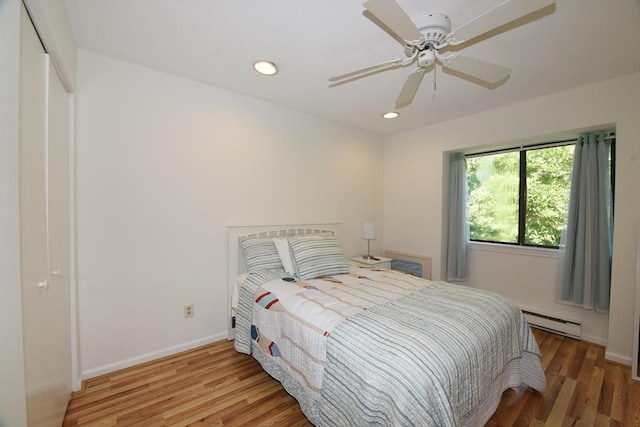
(188, 310)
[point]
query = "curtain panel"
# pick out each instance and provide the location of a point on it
(586, 249)
(458, 227)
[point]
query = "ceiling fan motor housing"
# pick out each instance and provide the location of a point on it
(435, 28)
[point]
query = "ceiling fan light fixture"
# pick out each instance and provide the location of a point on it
(265, 67)
(426, 58)
(390, 115)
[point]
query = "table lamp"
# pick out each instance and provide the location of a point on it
(368, 233)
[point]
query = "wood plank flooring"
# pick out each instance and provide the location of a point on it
(215, 386)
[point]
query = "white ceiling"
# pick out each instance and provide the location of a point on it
(573, 43)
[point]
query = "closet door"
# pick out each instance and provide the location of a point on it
(58, 298)
(33, 215)
(45, 301)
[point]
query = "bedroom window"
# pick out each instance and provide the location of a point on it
(520, 196)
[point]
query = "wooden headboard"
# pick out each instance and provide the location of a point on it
(235, 256)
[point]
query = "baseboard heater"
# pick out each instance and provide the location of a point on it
(569, 328)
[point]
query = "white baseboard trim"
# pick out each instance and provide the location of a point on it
(77, 386)
(101, 370)
(624, 360)
(595, 340)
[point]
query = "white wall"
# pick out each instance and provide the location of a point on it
(13, 403)
(413, 170)
(163, 165)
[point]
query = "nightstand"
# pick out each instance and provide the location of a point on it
(377, 262)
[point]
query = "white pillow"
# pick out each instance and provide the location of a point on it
(284, 252)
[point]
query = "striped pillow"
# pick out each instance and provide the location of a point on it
(260, 254)
(317, 256)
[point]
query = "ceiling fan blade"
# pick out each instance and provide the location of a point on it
(381, 66)
(410, 87)
(500, 15)
(392, 15)
(486, 71)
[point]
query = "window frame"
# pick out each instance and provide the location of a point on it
(522, 185)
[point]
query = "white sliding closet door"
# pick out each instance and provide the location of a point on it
(58, 299)
(33, 217)
(44, 233)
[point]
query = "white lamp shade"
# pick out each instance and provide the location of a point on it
(368, 230)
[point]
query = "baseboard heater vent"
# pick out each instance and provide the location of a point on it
(569, 328)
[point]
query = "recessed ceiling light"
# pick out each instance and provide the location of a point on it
(390, 115)
(265, 67)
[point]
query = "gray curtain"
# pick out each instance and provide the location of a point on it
(458, 229)
(587, 247)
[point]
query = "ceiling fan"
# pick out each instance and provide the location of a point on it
(423, 40)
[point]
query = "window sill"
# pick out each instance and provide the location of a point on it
(514, 249)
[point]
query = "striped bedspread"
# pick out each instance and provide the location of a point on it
(426, 359)
(244, 315)
(292, 320)
(380, 347)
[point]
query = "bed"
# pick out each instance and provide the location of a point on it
(363, 347)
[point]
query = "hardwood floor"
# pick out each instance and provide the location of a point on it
(215, 386)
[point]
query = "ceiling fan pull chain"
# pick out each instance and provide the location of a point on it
(435, 69)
